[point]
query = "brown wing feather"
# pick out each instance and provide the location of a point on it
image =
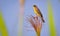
(40, 14)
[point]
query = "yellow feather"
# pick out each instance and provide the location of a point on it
(36, 11)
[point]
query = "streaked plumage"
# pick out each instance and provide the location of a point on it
(38, 12)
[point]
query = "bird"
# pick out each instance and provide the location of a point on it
(38, 12)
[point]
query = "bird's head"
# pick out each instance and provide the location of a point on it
(34, 5)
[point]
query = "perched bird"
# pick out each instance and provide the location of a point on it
(38, 12)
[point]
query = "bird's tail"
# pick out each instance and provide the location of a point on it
(43, 20)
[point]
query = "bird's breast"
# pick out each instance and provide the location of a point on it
(36, 12)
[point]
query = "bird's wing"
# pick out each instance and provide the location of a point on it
(39, 12)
